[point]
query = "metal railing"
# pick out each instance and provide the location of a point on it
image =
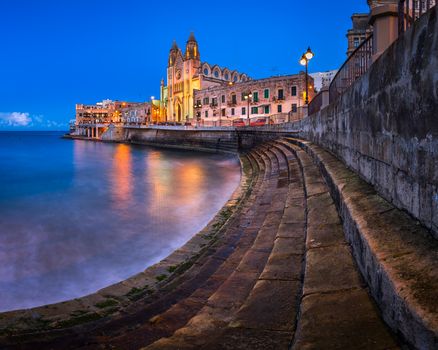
(316, 104)
(352, 69)
(411, 10)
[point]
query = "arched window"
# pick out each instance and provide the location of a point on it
(216, 74)
(206, 71)
(226, 76)
(235, 78)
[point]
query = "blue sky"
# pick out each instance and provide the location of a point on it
(58, 53)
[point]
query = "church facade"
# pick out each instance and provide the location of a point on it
(186, 74)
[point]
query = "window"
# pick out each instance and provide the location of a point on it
(223, 98)
(293, 91)
(205, 71)
(243, 110)
(232, 111)
(356, 42)
(255, 96)
(198, 102)
(226, 76)
(214, 101)
(294, 108)
(279, 108)
(216, 74)
(266, 93)
(254, 110)
(206, 114)
(280, 94)
(206, 100)
(235, 78)
(267, 109)
(223, 112)
(234, 99)
(242, 97)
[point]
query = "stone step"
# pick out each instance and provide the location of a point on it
(272, 305)
(332, 284)
(397, 256)
(231, 295)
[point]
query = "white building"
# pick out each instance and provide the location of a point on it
(323, 79)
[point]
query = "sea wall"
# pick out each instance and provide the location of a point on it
(385, 126)
(199, 139)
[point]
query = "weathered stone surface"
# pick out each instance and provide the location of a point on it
(283, 267)
(270, 306)
(344, 320)
(323, 235)
(286, 230)
(254, 339)
(396, 255)
(294, 215)
(330, 269)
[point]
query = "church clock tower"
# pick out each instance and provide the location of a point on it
(182, 79)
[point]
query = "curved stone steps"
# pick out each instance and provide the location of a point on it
(334, 300)
(397, 256)
(217, 314)
(267, 318)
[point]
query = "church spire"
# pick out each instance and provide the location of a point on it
(192, 48)
(173, 53)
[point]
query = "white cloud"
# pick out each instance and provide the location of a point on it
(25, 120)
(15, 119)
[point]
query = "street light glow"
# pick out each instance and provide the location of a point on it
(309, 54)
(303, 61)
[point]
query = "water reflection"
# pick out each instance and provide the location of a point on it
(121, 178)
(98, 213)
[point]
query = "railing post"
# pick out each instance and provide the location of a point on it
(384, 19)
(401, 17)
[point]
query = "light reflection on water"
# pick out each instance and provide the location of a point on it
(78, 216)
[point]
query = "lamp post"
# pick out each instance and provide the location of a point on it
(304, 61)
(151, 116)
(248, 97)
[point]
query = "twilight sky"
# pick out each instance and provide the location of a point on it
(58, 53)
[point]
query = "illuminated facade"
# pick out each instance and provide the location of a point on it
(104, 112)
(187, 74)
(279, 99)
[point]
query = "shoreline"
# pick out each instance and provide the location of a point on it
(144, 285)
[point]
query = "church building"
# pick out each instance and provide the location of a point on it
(187, 74)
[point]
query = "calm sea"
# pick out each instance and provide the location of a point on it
(76, 216)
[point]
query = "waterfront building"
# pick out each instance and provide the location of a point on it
(199, 92)
(323, 79)
(136, 113)
(104, 112)
(187, 74)
(276, 99)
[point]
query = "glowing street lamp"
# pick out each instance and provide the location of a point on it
(152, 110)
(248, 97)
(304, 61)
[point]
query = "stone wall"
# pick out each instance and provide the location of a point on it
(207, 140)
(386, 125)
